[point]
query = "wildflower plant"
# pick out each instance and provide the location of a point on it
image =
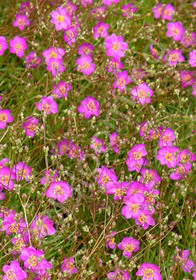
(97, 140)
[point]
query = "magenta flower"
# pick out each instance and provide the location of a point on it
(55, 66)
(63, 147)
(43, 226)
(60, 18)
(42, 266)
(175, 30)
(168, 156)
(114, 65)
(144, 219)
(31, 256)
(186, 78)
(118, 274)
(75, 152)
(121, 81)
(110, 241)
(185, 158)
(157, 10)
(182, 258)
(194, 91)
(47, 105)
(117, 189)
(100, 30)
(105, 175)
(167, 12)
(61, 89)
(85, 2)
(85, 65)
(135, 159)
(188, 39)
(6, 178)
(133, 206)
(149, 272)
(142, 94)
(85, 49)
(59, 190)
(54, 53)
(32, 60)
(19, 243)
(3, 45)
(135, 187)
(3, 162)
(109, 2)
(149, 178)
(128, 10)
(30, 126)
(115, 142)
(70, 35)
(173, 57)
(25, 8)
(70, 8)
(115, 46)
(11, 224)
(128, 245)
(180, 172)
(14, 271)
(154, 52)
(89, 107)
(5, 117)
(18, 46)
(97, 145)
(21, 171)
(49, 176)
(21, 21)
(68, 266)
(192, 58)
(166, 136)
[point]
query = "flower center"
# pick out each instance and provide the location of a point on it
(116, 46)
(155, 51)
(141, 93)
(174, 57)
(121, 82)
(10, 275)
(142, 219)
(175, 31)
(91, 106)
(20, 21)
(119, 192)
(129, 248)
(14, 227)
(85, 65)
(3, 117)
(32, 261)
(58, 190)
(134, 208)
(166, 138)
(137, 155)
(46, 107)
(111, 240)
(105, 179)
(148, 273)
(31, 127)
(60, 18)
(53, 54)
(187, 78)
(168, 156)
(18, 47)
(4, 179)
(101, 29)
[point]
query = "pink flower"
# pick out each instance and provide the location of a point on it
(149, 178)
(59, 190)
(149, 272)
(55, 66)
(157, 10)
(6, 178)
(63, 147)
(68, 266)
(47, 105)
(21, 21)
(185, 158)
(32, 60)
(85, 65)
(75, 152)
(18, 46)
(49, 176)
(85, 2)
(21, 171)
(128, 245)
(3, 45)
(85, 49)
(5, 117)
(188, 40)
(180, 172)
(142, 94)
(182, 258)
(117, 189)
(43, 226)
(133, 205)
(175, 30)
(25, 8)
(30, 126)
(61, 89)
(154, 52)
(89, 107)
(192, 58)
(115, 142)
(128, 10)
(168, 156)
(54, 53)
(14, 271)
(173, 57)
(100, 30)
(144, 219)
(186, 78)
(97, 145)
(118, 274)
(114, 65)
(105, 175)
(166, 136)
(60, 18)
(70, 35)
(194, 91)
(31, 256)
(121, 81)
(115, 46)
(167, 12)
(19, 243)
(13, 224)
(135, 159)
(110, 241)
(109, 2)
